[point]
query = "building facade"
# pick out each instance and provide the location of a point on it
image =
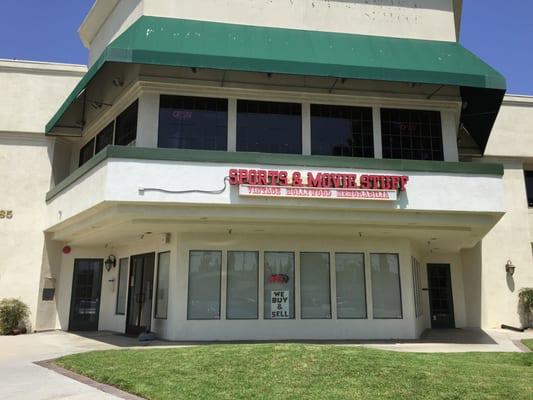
(262, 170)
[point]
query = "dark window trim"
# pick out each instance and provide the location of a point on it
(219, 284)
(329, 285)
(92, 143)
(156, 302)
(118, 286)
(100, 133)
(528, 174)
(227, 287)
(399, 283)
(293, 284)
(364, 283)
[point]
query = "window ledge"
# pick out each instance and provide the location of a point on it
(301, 161)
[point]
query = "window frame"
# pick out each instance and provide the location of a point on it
(91, 142)
(219, 285)
(169, 97)
(399, 287)
(156, 302)
(345, 108)
(293, 253)
(125, 289)
(286, 102)
(364, 284)
(99, 135)
(256, 252)
(134, 103)
(329, 286)
(388, 155)
(528, 175)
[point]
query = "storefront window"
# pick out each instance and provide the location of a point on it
(411, 134)
(351, 285)
(341, 131)
(86, 152)
(193, 123)
(242, 287)
(204, 285)
(122, 286)
(315, 286)
(386, 293)
(126, 126)
(163, 271)
(269, 127)
(417, 285)
(105, 137)
(529, 187)
(279, 285)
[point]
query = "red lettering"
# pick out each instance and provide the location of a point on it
(233, 177)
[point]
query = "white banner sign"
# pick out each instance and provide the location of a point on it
(318, 193)
(280, 304)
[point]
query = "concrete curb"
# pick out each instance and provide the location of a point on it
(521, 346)
(49, 364)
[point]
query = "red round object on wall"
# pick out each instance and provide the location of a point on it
(66, 250)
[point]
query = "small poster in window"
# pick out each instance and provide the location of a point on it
(280, 304)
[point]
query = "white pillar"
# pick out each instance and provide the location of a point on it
(232, 124)
(449, 136)
(148, 120)
(306, 129)
(376, 123)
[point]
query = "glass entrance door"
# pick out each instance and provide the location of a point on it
(140, 295)
(440, 296)
(85, 298)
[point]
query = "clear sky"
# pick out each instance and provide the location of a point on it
(499, 32)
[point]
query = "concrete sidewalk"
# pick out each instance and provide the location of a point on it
(21, 379)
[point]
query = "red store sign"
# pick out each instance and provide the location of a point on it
(274, 183)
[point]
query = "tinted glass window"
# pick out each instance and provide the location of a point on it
(204, 285)
(314, 285)
(86, 152)
(279, 285)
(193, 123)
(386, 289)
(342, 131)
(269, 127)
(529, 187)
(411, 134)
(126, 126)
(243, 283)
(105, 137)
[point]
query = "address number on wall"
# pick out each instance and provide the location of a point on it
(6, 214)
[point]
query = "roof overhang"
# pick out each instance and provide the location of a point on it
(200, 44)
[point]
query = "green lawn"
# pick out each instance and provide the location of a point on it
(294, 371)
(528, 343)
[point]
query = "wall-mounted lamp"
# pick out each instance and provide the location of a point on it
(110, 262)
(509, 268)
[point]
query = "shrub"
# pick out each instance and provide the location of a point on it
(526, 300)
(13, 316)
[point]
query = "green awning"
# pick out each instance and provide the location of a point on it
(200, 44)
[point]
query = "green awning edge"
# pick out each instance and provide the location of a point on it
(201, 44)
(296, 160)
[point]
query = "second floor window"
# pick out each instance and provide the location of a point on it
(86, 152)
(193, 123)
(105, 137)
(126, 125)
(411, 134)
(341, 131)
(529, 187)
(269, 127)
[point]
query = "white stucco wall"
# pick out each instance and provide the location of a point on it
(177, 327)
(511, 143)
(31, 92)
(417, 19)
